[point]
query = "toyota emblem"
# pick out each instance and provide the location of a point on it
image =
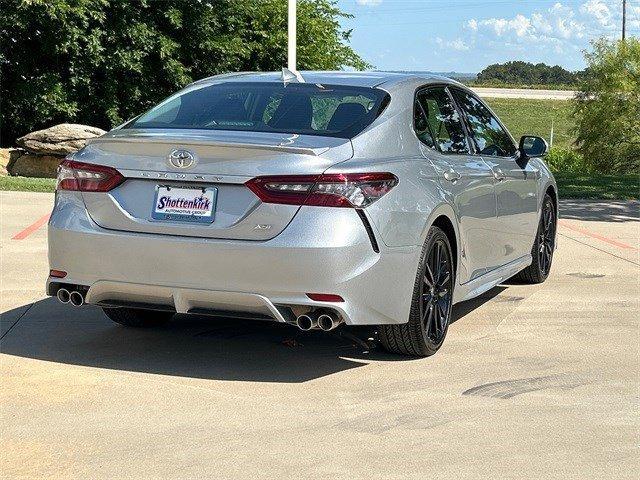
(182, 158)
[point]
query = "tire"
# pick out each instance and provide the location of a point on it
(430, 312)
(137, 318)
(543, 246)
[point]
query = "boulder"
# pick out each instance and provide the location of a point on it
(5, 158)
(8, 157)
(58, 140)
(25, 164)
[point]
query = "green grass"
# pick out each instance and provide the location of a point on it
(597, 186)
(534, 116)
(27, 184)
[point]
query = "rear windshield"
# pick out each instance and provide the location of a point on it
(300, 108)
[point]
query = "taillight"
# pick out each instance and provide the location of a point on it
(86, 177)
(351, 190)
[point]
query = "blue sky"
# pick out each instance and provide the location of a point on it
(467, 35)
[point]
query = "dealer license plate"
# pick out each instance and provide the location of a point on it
(185, 204)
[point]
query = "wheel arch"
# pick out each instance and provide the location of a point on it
(552, 192)
(444, 223)
(444, 218)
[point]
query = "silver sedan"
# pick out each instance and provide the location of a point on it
(336, 198)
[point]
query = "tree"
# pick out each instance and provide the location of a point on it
(524, 73)
(101, 62)
(607, 109)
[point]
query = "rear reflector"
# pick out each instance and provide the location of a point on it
(57, 273)
(350, 190)
(86, 177)
(325, 297)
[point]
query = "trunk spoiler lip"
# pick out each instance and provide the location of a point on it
(203, 140)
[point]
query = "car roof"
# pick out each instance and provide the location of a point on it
(355, 79)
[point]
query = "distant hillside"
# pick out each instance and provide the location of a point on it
(525, 73)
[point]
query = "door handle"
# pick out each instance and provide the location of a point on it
(498, 174)
(451, 175)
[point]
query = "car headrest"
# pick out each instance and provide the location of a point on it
(230, 109)
(294, 112)
(346, 115)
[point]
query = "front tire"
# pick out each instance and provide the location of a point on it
(431, 304)
(138, 318)
(543, 246)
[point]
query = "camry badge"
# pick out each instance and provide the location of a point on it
(182, 158)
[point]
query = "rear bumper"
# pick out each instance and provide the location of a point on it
(322, 251)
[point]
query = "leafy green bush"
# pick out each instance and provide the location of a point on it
(607, 108)
(566, 160)
(100, 62)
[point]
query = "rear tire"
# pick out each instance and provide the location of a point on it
(137, 318)
(431, 304)
(543, 246)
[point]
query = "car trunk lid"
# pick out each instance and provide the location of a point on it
(219, 162)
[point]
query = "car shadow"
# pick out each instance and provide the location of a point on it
(600, 210)
(193, 346)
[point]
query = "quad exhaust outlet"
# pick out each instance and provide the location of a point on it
(328, 321)
(325, 320)
(76, 299)
(307, 321)
(73, 297)
(63, 295)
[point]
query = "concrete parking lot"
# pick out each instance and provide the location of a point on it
(532, 382)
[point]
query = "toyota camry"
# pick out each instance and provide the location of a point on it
(319, 200)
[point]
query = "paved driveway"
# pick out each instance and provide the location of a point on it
(532, 382)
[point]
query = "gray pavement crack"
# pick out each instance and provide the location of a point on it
(17, 320)
(599, 249)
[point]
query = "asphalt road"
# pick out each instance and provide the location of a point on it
(532, 382)
(524, 93)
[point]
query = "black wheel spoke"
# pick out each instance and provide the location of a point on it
(428, 277)
(429, 320)
(445, 276)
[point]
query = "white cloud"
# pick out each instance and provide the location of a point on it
(559, 23)
(599, 11)
(557, 33)
(369, 3)
(556, 24)
(456, 44)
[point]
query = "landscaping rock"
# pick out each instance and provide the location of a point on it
(8, 156)
(58, 140)
(25, 164)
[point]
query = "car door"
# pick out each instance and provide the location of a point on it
(515, 180)
(465, 178)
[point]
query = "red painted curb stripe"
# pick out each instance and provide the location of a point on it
(596, 236)
(31, 228)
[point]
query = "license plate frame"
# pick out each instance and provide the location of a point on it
(184, 215)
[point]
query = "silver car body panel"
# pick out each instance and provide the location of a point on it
(108, 242)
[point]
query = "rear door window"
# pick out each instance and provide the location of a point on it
(443, 120)
(487, 133)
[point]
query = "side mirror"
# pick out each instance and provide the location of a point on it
(533, 147)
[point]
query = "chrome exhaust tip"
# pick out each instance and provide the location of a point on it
(63, 295)
(76, 299)
(307, 321)
(328, 321)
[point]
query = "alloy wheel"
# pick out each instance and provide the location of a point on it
(436, 292)
(546, 238)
